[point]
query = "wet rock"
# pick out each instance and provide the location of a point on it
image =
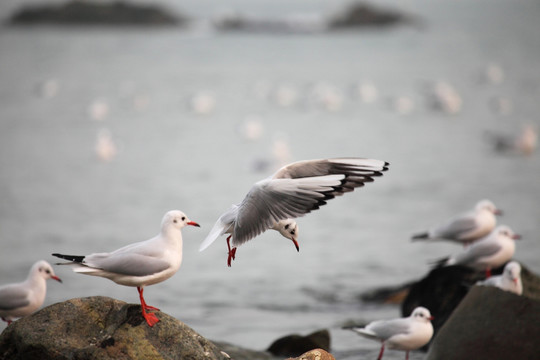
(101, 328)
(490, 324)
(362, 14)
(295, 345)
(443, 289)
(94, 13)
(239, 353)
(316, 354)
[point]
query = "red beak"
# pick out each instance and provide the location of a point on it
(498, 212)
(296, 245)
(431, 318)
(56, 278)
(516, 237)
(193, 223)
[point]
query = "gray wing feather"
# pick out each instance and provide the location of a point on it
(13, 297)
(456, 228)
(385, 329)
(136, 259)
(476, 251)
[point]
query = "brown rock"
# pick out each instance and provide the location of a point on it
(490, 324)
(316, 354)
(294, 345)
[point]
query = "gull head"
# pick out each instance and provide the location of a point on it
(422, 314)
(505, 231)
(487, 205)
(289, 229)
(512, 271)
(44, 269)
(176, 219)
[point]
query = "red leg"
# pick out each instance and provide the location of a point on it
(232, 252)
(8, 321)
(381, 352)
(151, 319)
(407, 355)
(488, 273)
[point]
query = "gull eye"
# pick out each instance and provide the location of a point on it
(183, 218)
(286, 226)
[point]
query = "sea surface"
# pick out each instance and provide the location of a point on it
(268, 99)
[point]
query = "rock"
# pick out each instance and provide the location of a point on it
(239, 353)
(101, 328)
(94, 13)
(442, 290)
(490, 324)
(387, 295)
(316, 354)
(295, 345)
(362, 14)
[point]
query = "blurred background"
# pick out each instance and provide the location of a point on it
(104, 128)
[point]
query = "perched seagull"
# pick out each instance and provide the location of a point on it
(509, 280)
(486, 253)
(294, 190)
(466, 227)
(406, 334)
(140, 264)
(22, 299)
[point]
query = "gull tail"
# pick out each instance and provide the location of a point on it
(442, 262)
(74, 258)
(217, 231)
(365, 332)
(421, 236)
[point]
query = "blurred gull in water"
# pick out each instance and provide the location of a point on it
(367, 92)
(524, 143)
(286, 95)
(98, 110)
(405, 334)
(327, 96)
(22, 299)
(202, 103)
(139, 264)
(291, 192)
(48, 89)
(105, 148)
(251, 128)
(509, 280)
(445, 98)
(465, 227)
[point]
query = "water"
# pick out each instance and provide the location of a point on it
(58, 197)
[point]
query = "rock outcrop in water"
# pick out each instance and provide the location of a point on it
(296, 345)
(95, 13)
(102, 328)
(490, 324)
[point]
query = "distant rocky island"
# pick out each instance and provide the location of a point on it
(124, 13)
(80, 12)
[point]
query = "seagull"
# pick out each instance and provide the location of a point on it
(406, 334)
(467, 227)
(486, 253)
(294, 190)
(509, 280)
(22, 299)
(139, 264)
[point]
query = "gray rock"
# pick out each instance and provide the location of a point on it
(101, 328)
(490, 324)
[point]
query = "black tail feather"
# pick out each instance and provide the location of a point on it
(74, 258)
(421, 236)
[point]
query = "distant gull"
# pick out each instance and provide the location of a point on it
(466, 227)
(406, 334)
(105, 147)
(293, 191)
(509, 280)
(140, 264)
(489, 252)
(22, 299)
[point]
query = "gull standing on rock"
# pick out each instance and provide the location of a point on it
(406, 334)
(22, 299)
(509, 280)
(140, 264)
(467, 227)
(486, 253)
(294, 190)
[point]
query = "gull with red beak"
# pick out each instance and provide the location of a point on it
(140, 264)
(22, 299)
(406, 334)
(293, 191)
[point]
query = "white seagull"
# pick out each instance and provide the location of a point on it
(140, 264)
(22, 299)
(488, 252)
(466, 227)
(509, 280)
(294, 190)
(406, 334)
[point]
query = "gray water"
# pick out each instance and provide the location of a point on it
(57, 196)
